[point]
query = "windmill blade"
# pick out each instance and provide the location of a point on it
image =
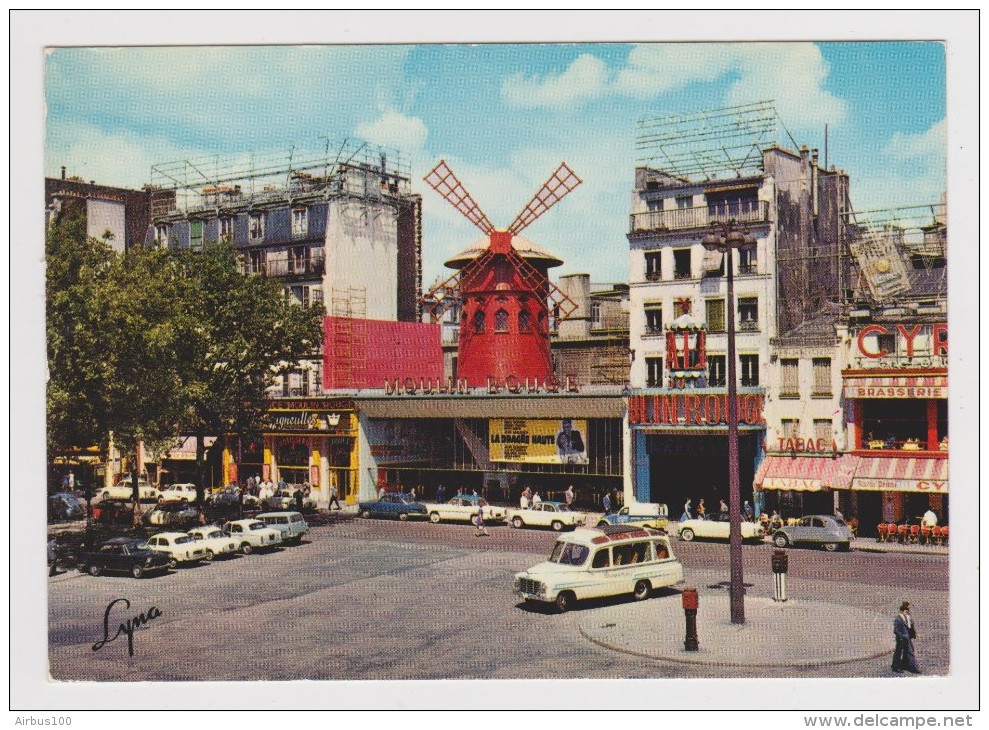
(563, 305)
(442, 297)
(442, 180)
(560, 184)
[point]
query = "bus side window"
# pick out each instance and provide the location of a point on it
(601, 559)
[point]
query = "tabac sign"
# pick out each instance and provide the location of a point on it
(682, 409)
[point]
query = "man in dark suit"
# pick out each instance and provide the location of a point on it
(905, 633)
(570, 444)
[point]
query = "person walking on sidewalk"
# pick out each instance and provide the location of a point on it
(333, 497)
(904, 632)
(481, 530)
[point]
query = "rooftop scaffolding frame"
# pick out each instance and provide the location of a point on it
(702, 145)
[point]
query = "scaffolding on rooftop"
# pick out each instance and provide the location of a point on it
(709, 144)
(352, 168)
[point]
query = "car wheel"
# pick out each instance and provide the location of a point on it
(517, 522)
(95, 570)
(137, 571)
(642, 590)
(434, 517)
(403, 516)
(105, 495)
(365, 513)
(781, 540)
(246, 548)
(830, 546)
(564, 601)
(557, 525)
(686, 534)
(209, 555)
(603, 523)
(173, 563)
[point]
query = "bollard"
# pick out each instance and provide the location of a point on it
(690, 602)
(780, 563)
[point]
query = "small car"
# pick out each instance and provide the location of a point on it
(546, 514)
(177, 514)
(113, 512)
(829, 532)
(602, 561)
(645, 514)
(393, 504)
(214, 541)
(124, 555)
(464, 507)
(251, 535)
(292, 525)
(179, 546)
(64, 506)
(146, 492)
(718, 527)
(179, 493)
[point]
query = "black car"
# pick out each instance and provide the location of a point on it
(124, 555)
(172, 514)
(64, 506)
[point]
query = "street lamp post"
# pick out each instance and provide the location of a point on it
(725, 237)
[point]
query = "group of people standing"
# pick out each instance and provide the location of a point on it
(748, 513)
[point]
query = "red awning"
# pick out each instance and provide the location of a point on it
(916, 474)
(896, 386)
(806, 473)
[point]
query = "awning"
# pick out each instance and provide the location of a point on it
(915, 474)
(185, 449)
(896, 386)
(806, 473)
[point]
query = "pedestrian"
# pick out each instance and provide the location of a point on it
(614, 499)
(381, 492)
(606, 503)
(723, 508)
(481, 530)
(929, 519)
(412, 494)
(776, 522)
(300, 499)
(749, 514)
(333, 497)
(568, 496)
(536, 499)
(52, 556)
(687, 515)
(440, 493)
(904, 632)
(701, 510)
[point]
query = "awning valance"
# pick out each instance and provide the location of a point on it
(896, 386)
(918, 474)
(806, 473)
(185, 449)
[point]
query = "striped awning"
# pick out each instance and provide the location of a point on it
(806, 473)
(185, 448)
(915, 474)
(896, 386)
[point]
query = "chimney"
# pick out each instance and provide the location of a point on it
(63, 172)
(813, 182)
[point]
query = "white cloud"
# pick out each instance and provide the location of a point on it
(394, 129)
(584, 79)
(653, 69)
(929, 144)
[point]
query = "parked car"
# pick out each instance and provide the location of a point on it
(603, 561)
(113, 512)
(285, 499)
(645, 514)
(179, 546)
(718, 527)
(546, 514)
(179, 493)
(147, 492)
(251, 535)
(124, 555)
(292, 525)
(829, 532)
(64, 506)
(394, 504)
(226, 502)
(213, 540)
(465, 507)
(177, 514)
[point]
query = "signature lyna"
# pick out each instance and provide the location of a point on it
(126, 627)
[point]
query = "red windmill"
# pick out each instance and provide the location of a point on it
(503, 287)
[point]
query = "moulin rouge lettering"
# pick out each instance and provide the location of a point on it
(512, 384)
(692, 410)
(127, 627)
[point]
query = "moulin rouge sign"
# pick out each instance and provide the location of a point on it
(681, 409)
(512, 384)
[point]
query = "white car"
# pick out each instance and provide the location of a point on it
(546, 514)
(147, 492)
(179, 492)
(252, 534)
(717, 528)
(214, 541)
(179, 546)
(603, 561)
(464, 507)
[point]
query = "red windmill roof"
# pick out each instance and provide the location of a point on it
(523, 246)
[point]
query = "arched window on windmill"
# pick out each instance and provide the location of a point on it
(479, 321)
(501, 321)
(525, 321)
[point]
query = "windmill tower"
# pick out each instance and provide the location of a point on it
(503, 287)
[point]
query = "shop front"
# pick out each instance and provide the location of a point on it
(680, 445)
(305, 443)
(798, 484)
(494, 444)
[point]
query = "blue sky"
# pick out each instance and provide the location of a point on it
(503, 116)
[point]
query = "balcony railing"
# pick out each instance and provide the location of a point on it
(744, 211)
(748, 325)
(313, 266)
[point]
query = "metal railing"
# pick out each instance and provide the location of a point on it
(742, 211)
